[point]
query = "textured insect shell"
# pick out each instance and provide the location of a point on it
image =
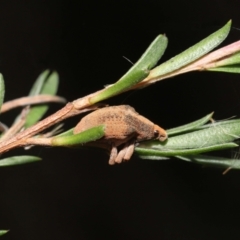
(120, 122)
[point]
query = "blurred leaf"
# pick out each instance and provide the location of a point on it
(17, 160)
(38, 85)
(191, 54)
(2, 90)
(45, 84)
(2, 232)
(137, 72)
(89, 135)
(212, 161)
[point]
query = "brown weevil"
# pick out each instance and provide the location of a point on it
(123, 125)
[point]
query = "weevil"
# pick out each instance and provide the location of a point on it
(123, 127)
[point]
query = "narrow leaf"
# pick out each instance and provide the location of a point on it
(138, 71)
(153, 153)
(220, 57)
(217, 134)
(191, 54)
(49, 86)
(2, 232)
(219, 123)
(231, 60)
(18, 160)
(228, 69)
(38, 85)
(66, 133)
(89, 135)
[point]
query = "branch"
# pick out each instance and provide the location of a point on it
(140, 75)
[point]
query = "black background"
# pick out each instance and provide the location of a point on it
(74, 194)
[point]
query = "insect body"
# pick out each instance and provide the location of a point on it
(123, 125)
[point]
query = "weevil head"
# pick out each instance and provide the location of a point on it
(160, 133)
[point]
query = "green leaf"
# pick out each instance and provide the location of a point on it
(153, 154)
(66, 133)
(2, 232)
(2, 90)
(213, 137)
(219, 123)
(228, 69)
(138, 71)
(217, 134)
(189, 127)
(89, 135)
(193, 53)
(18, 160)
(230, 60)
(45, 84)
(38, 85)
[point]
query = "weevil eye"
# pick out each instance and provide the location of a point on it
(156, 133)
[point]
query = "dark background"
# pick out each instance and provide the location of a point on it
(75, 194)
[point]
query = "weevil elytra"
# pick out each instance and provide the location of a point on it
(123, 125)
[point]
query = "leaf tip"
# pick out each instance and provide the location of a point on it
(2, 232)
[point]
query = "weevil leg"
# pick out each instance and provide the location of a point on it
(113, 155)
(126, 152)
(121, 154)
(130, 150)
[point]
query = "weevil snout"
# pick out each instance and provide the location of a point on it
(160, 133)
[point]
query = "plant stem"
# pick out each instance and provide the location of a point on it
(20, 139)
